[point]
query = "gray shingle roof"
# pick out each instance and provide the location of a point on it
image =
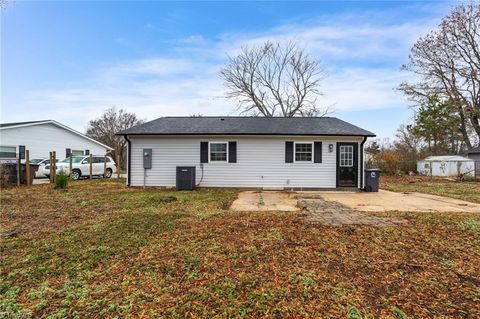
(474, 150)
(236, 125)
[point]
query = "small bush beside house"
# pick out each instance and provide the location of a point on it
(61, 180)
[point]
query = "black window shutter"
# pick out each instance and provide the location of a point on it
(232, 152)
(68, 152)
(317, 149)
(288, 152)
(203, 152)
(87, 152)
(21, 151)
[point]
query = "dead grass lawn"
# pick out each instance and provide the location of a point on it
(469, 191)
(103, 250)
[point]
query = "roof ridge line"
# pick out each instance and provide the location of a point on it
(252, 117)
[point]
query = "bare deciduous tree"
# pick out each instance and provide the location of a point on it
(447, 62)
(274, 80)
(103, 129)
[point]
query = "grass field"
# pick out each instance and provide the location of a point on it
(469, 191)
(103, 250)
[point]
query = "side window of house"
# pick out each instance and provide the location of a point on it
(306, 152)
(303, 152)
(218, 151)
(8, 151)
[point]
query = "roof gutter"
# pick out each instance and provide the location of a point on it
(362, 161)
(129, 156)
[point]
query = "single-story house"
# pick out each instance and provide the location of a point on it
(260, 152)
(473, 153)
(446, 166)
(43, 137)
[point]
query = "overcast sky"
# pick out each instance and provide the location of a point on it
(69, 61)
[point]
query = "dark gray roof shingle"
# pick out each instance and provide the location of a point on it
(237, 125)
(474, 150)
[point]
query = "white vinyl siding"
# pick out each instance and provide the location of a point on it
(260, 162)
(44, 138)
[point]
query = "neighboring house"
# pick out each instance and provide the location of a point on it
(446, 166)
(285, 153)
(42, 137)
(473, 153)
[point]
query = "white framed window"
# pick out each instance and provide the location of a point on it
(8, 151)
(346, 155)
(303, 152)
(218, 151)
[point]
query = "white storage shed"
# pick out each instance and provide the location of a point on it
(446, 166)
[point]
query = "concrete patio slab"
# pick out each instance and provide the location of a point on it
(359, 201)
(392, 201)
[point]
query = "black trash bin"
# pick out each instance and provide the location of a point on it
(372, 179)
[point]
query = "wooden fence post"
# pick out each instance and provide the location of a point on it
(118, 166)
(105, 166)
(70, 164)
(51, 167)
(27, 166)
(54, 155)
(91, 165)
(19, 169)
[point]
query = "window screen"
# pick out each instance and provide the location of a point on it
(303, 152)
(218, 152)
(346, 156)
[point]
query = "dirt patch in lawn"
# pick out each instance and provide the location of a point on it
(336, 214)
(265, 201)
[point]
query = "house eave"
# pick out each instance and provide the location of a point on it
(241, 134)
